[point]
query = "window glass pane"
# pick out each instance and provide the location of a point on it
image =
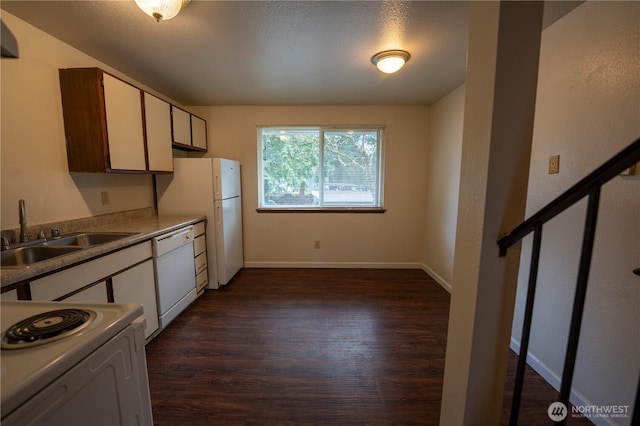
(320, 167)
(350, 168)
(290, 160)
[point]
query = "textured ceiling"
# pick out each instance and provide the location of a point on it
(269, 52)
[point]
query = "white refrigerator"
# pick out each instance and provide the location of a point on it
(210, 187)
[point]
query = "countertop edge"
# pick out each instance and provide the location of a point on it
(145, 229)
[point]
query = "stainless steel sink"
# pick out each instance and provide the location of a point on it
(25, 256)
(38, 251)
(88, 238)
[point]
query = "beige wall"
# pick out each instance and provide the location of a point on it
(33, 153)
(394, 238)
(588, 109)
(34, 167)
(443, 185)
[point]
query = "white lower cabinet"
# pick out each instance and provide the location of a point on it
(137, 285)
(131, 274)
(60, 284)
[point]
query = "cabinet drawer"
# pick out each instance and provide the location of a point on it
(198, 229)
(202, 279)
(10, 295)
(201, 262)
(64, 282)
(94, 294)
(199, 245)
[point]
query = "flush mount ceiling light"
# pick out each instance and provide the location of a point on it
(162, 10)
(390, 61)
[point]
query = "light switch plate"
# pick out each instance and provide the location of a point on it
(554, 164)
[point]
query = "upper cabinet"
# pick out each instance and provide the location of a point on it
(181, 126)
(189, 131)
(102, 122)
(114, 127)
(123, 113)
(198, 133)
(157, 118)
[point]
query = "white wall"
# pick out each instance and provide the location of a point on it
(346, 239)
(33, 153)
(588, 109)
(443, 185)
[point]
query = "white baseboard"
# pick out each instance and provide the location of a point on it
(443, 283)
(345, 265)
(551, 377)
(354, 265)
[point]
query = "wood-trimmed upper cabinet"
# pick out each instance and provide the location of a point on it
(112, 126)
(102, 121)
(189, 131)
(157, 115)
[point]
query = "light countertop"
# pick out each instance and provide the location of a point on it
(145, 229)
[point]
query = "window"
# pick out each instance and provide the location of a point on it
(316, 168)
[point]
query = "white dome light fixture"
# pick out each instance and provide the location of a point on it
(390, 61)
(162, 10)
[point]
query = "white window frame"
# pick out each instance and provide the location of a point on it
(377, 207)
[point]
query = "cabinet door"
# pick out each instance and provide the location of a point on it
(123, 108)
(157, 114)
(138, 285)
(181, 126)
(198, 132)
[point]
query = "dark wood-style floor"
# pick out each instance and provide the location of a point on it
(312, 347)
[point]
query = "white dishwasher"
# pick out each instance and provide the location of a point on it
(175, 273)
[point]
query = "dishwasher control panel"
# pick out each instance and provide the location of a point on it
(170, 241)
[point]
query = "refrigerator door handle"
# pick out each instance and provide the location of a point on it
(218, 191)
(218, 214)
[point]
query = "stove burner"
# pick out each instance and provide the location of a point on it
(46, 327)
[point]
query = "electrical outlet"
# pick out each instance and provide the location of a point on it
(554, 164)
(316, 244)
(105, 198)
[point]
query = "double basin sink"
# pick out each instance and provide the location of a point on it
(41, 250)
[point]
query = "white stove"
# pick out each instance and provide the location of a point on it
(94, 373)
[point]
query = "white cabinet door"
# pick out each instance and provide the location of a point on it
(137, 285)
(123, 108)
(158, 125)
(181, 126)
(198, 132)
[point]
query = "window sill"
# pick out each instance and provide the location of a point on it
(322, 210)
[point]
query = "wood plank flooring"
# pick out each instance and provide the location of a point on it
(310, 347)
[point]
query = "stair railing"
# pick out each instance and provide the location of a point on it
(590, 187)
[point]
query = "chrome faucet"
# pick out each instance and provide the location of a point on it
(24, 235)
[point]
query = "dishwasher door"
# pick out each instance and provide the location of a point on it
(175, 274)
